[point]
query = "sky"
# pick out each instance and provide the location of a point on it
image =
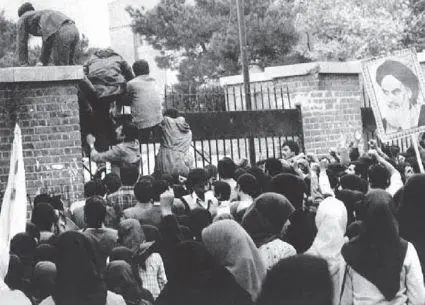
(91, 16)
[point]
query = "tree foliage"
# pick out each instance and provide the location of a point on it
(201, 39)
(342, 30)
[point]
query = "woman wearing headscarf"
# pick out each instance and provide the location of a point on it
(233, 248)
(200, 280)
(43, 281)
(331, 223)
(130, 234)
(121, 254)
(297, 280)
(381, 268)
(8, 296)
(411, 214)
(301, 232)
(121, 280)
(264, 221)
(78, 277)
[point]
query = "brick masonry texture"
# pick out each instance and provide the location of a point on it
(48, 115)
(330, 104)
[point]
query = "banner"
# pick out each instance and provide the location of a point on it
(13, 213)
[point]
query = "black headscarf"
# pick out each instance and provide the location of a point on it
(200, 280)
(264, 220)
(78, 279)
(352, 201)
(354, 183)
(411, 214)
(378, 252)
(199, 219)
(121, 254)
(120, 278)
(290, 186)
(298, 280)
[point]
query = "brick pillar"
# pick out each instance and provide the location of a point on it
(43, 101)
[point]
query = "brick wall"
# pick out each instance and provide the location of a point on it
(43, 101)
(330, 103)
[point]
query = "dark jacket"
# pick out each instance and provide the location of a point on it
(108, 72)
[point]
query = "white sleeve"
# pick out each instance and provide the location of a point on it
(415, 289)
(395, 183)
(325, 185)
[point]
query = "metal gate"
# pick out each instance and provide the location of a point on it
(221, 125)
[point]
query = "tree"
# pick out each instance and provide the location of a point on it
(201, 41)
(343, 30)
(8, 46)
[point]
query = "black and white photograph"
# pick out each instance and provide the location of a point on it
(395, 84)
(212, 152)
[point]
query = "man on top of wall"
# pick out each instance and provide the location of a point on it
(59, 33)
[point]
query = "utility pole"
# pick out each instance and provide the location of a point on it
(245, 70)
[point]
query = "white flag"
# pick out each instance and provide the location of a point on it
(13, 213)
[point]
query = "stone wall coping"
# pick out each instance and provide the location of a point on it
(41, 74)
(321, 67)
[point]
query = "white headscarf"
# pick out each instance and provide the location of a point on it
(331, 223)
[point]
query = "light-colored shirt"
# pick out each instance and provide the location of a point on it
(145, 101)
(153, 278)
(358, 290)
(395, 183)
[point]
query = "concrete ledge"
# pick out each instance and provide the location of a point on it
(41, 74)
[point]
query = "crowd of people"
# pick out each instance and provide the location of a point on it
(347, 228)
(343, 229)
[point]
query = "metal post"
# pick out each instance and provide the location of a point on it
(245, 70)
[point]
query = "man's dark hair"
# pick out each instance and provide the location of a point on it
(42, 198)
(222, 190)
(43, 216)
(402, 73)
(293, 146)
(197, 177)
(143, 190)
(130, 131)
(129, 174)
(172, 113)
(141, 67)
(360, 169)
(211, 170)
(159, 187)
(273, 166)
(95, 212)
(379, 176)
(248, 184)
(112, 182)
(94, 187)
(226, 168)
(26, 7)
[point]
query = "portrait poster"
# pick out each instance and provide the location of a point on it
(396, 90)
